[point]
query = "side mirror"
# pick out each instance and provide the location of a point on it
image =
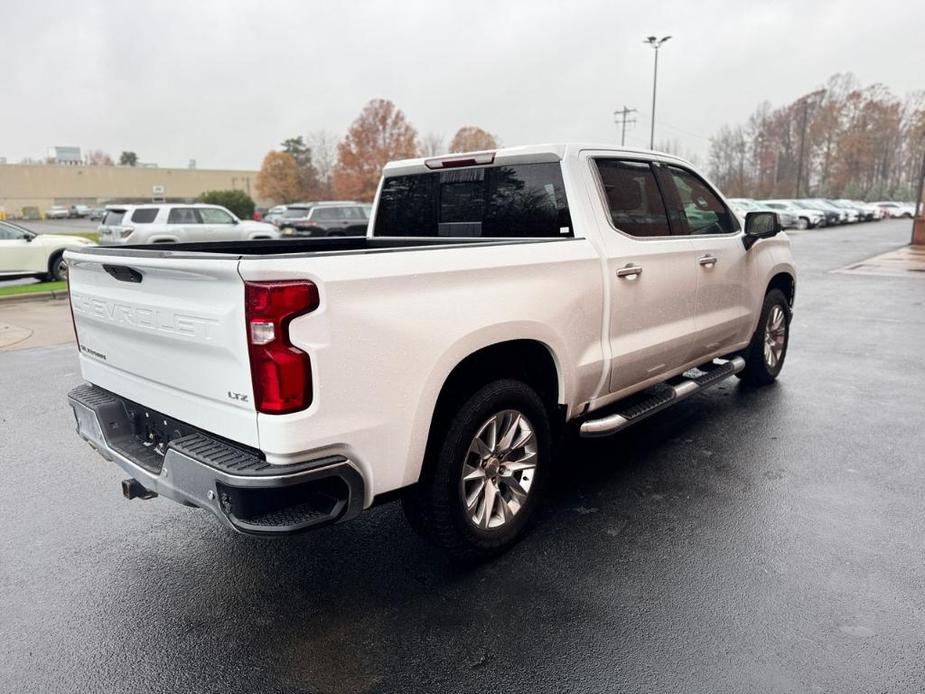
(760, 225)
(28, 238)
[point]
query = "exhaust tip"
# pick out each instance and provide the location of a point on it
(133, 489)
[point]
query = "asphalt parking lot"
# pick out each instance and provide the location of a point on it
(769, 540)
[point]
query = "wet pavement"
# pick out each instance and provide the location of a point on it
(769, 540)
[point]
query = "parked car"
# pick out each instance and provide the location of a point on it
(57, 212)
(499, 300)
(843, 214)
(96, 213)
(78, 211)
(804, 217)
(831, 214)
(177, 223)
(274, 214)
(744, 205)
(864, 213)
(334, 218)
(259, 214)
(871, 212)
(854, 214)
(896, 209)
(26, 254)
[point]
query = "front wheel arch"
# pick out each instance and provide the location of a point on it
(786, 283)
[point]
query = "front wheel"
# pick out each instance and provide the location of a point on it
(802, 224)
(765, 354)
(479, 492)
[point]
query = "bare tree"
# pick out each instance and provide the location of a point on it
(432, 144)
(323, 145)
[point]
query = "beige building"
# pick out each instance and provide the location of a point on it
(33, 187)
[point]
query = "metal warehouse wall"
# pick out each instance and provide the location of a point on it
(43, 185)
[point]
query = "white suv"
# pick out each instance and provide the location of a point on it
(177, 223)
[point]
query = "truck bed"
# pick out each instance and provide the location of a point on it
(300, 247)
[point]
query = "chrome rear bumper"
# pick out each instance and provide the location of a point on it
(242, 490)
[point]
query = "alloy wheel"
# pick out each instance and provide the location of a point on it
(499, 469)
(775, 336)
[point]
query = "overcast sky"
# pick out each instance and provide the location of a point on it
(223, 82)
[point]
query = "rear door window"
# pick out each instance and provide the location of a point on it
(183, 215)
(634, 200)
(525, 200)
(144, 215)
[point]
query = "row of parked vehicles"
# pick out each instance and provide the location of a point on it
(74, 212)
(180, 223)
(809, 213)
(23, 253)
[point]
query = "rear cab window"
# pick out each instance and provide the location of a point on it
(522, 200)
(144, 215)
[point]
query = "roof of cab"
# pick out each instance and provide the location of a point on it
(525, 154)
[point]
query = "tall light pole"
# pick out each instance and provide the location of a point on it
(656, 43)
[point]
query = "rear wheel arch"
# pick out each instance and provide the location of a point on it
(529, 361)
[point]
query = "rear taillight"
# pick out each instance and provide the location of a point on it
(281, 373)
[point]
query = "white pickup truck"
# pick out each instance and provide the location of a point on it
(499, 300)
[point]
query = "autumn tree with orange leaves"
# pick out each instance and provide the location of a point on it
(472, 139)
(279, 178)
(380, 134)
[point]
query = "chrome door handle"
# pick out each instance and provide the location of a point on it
(707, 260)
(629, 270)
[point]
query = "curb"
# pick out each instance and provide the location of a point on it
(33, 296)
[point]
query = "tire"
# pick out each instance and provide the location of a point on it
(57, 268)
(802, 224)
(437, 505)
(764, 360)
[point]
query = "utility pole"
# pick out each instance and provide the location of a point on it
(624, 119)
(918, 215)
(805, 103)
(656, 43)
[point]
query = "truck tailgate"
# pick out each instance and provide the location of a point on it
(169, 333)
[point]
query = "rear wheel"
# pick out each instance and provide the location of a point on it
(764, 356)
(479, 492)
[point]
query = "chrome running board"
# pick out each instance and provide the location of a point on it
(661, 397)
